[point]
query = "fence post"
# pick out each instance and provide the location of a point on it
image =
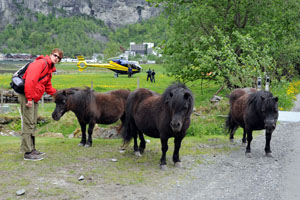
(138, 82)
(91, 85)
(1, 90)
(43, 101)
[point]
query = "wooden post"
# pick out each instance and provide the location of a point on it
(138, 82)
(1, 109)
(19, 109)
(43, 101)
(91, 85)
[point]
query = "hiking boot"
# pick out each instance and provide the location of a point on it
(38, 153)
(31, 156)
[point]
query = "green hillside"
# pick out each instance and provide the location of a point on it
(78, 34)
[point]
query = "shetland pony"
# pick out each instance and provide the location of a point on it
(159, 116)
(90, 108)
(252, 110)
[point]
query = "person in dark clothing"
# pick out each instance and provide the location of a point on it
(153, 76)
(129, 71)
(149, 74)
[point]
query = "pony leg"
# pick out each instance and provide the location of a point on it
(231, 137)
(267, 147)
(142, 142)
(244, 137)
(176, 159)
(83, 136)
(249, 138)
(135, 143)
(90, 132)
(164, 149)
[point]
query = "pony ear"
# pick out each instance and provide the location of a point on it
(169, 97)
(186, 95)
(275, 99)
(64, 93)
(262, 97)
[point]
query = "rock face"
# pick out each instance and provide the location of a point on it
(114, 13)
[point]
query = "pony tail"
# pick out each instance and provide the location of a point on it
(126, 131)
(229, 123)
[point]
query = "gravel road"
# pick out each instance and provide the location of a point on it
(233, 176)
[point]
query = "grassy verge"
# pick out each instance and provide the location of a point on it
(57, 175)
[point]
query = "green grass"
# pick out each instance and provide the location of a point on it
(103, 80)
(57, 175)
(208, 122)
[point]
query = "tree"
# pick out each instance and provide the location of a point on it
(230, 41)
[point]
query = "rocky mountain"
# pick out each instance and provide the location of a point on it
(114, 13)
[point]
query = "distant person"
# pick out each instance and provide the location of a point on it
(153, 76)
(129, 71)
(37, 81)
(149, 74)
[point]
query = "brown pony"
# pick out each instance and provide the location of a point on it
(159, 116)
(252, 110)
(90, 108)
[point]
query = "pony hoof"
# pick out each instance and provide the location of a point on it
(124, 146)
(80, 145)
(178, 165)
(138, 154)
(87, 145)
(163, 167)
(269, 155)
(248, 155)
(231, 140)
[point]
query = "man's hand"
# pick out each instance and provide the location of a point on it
(29, 104)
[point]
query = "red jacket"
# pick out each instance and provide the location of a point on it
(35, 89)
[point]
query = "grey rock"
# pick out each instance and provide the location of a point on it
(20, 192)
(81, 178)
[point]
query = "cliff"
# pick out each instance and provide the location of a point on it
(114, 13)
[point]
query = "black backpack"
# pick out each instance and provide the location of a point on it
(17, 82)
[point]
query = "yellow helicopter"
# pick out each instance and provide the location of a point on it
(119, 66)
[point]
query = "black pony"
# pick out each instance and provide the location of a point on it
(158, 116)
(90, 108)
(252, 110)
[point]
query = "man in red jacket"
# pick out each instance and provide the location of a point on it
(37, 81)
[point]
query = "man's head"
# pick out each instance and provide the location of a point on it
(56, 55)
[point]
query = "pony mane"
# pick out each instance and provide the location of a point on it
(174, 87)
(256, 100)
(81, 97)
(171, 95)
